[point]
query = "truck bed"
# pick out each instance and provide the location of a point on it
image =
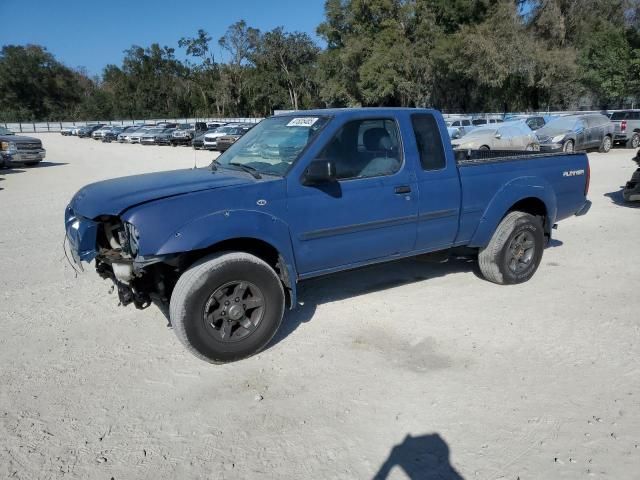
(481, 157)
(489, 177)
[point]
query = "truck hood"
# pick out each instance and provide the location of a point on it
(19, 139)
(112, 197)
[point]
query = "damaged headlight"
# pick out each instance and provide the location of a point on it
(133, 238)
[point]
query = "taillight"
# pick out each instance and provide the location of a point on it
(623, 126)
(588, 179)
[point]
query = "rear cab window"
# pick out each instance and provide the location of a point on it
(428, 141)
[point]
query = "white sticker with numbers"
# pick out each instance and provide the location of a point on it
(302, 122)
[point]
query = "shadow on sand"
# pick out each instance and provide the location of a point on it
(354, 283)
(421, 458)
(617, 198)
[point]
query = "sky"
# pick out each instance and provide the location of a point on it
(92, 33)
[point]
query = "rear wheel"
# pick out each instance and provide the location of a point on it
(514, 251)
(605, 146)
(227, 306)
(568, 146)
(634, 141)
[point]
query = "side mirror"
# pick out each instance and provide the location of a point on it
(319, 172)
(498, 135)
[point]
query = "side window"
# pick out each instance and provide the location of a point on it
(456, 123)
(365, 148)
(635, 116)
(466, 123)
(429, 142)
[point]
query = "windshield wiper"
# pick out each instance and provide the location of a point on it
(214, 165)
(246, 168)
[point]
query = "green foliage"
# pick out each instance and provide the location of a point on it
(456, 55)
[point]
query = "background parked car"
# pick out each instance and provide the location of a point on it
(485, 121)
(124, 136)
(165, 136)
(225, 141)
(185, 133)
(112, 134)
(136, 136)
(626, 126)
(5, 131)
(454, 133)
(85, 132)
(17, 149)
(463, 125)
(97, 134)
(577, 132)
(508, 136)
(66, 131)
(210, 138)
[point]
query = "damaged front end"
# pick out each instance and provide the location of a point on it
(113, 244)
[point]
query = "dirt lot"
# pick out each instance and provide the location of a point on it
(404, 368)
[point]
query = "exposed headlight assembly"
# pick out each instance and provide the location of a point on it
(557, 138)
(133, 238)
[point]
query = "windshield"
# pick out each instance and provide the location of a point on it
(620, 116)
(563, 123)
(274, 144)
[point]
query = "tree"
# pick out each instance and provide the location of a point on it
(289, 59)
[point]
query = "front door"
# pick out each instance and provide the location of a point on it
(369, 212)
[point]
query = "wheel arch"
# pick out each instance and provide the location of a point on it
(532, 195)
(257, 233)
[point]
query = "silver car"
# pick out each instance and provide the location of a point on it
(504, 136)
(97, 135)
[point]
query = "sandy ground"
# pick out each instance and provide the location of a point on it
(409, 369)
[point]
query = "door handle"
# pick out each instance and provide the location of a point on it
(402, 189)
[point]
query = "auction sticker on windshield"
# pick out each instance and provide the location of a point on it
(302, 122)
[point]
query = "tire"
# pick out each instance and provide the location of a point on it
(606, 144)
(634, 141)
(219, 336)
(568, 147)
(500, 262)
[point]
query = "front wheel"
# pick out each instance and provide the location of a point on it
(568, 146)
(514, 251)
(227, 307)
(605, 146)
(634, 141)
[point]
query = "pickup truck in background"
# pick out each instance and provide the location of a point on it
(626, 124)
(17, 149)
(307, 194)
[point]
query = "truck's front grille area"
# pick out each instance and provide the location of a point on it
(28, 147)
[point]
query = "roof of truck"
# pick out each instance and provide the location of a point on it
(355, 111)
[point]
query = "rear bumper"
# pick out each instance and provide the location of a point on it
(584, 209)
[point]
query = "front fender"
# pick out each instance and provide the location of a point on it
(224, 225)
(511, 193)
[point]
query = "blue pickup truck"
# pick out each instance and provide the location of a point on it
(308, 194)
